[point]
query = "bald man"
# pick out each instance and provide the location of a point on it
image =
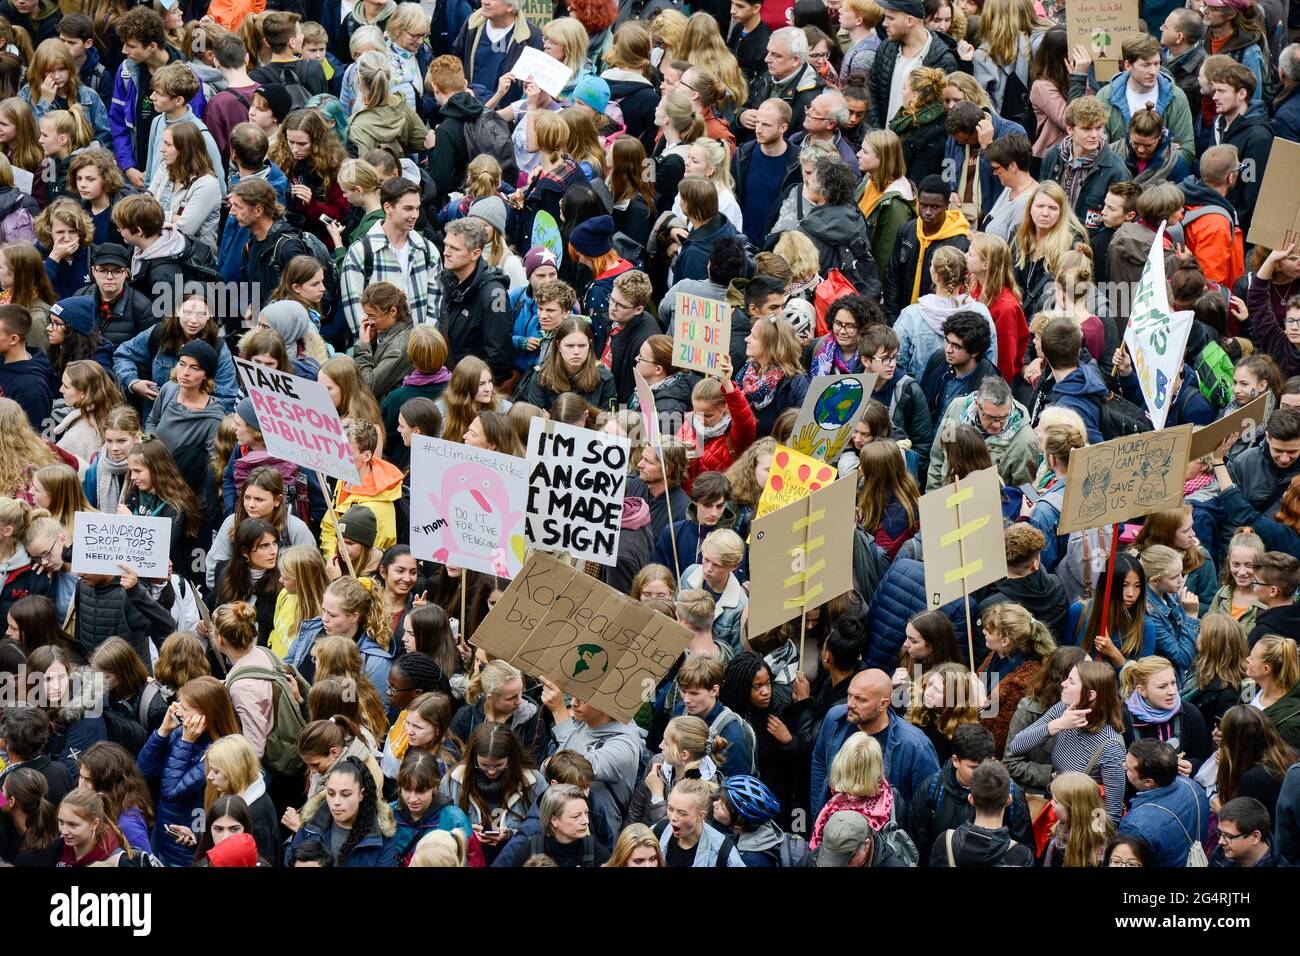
(1210, 227)
(909, 756)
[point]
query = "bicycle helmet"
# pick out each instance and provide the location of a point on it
(801, 314)
(753, 801)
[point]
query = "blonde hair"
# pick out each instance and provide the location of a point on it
(359, 174)
(634, 837)
(375, 78)
(1135, 674)
(235, 757)
(859, 767)
(1090, 828)
(998, 271)
(1158, 561)
(703, 46)
(440, 848)
(969, 86)
(715, 155)
(572, 36)
(889, 150)
(1279, 654)
(495, 675)
(726, 545)
(691, 734)
(1062, 237)
(798, 250)
(1028, 635)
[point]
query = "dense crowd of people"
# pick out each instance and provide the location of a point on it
(393, 200)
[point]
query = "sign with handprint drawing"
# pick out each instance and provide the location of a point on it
(599, 645)
(1125, 478)
(830, 412)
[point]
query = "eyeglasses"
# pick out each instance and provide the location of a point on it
(1260, 584)
(108, 272)
(417, 36)
(996, 419)
(57, 323)
(954, 346)
(886, 359)
(399, 690)
(647, 361)
(844, 326)
(44, 554)
(621, 306)
(1126, 864)
(1293, 323)
(687, 85)
(819, 56)
(1229, 837)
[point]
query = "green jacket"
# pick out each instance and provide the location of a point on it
(891, 213)
(1170, 102)
(393, 123)
(1285, 714)
(1223, 602)
(1014, 450)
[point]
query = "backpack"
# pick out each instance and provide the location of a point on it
(952, 862)
(1195, 851)
(1120, 417)
(792, 852)
(896, 838)
(856, 263)
(489, 135)
(298, 94)
(726, 719)
(281, 754)
(125, 731)
(724, 851)
(1214, 369)
(316, 249)
(151, 690)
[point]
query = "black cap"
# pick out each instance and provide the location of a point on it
(111, 254)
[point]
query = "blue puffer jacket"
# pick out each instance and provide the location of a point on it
(527, 326)
(1169, 818)
(177, 765)
(1176, 631)
(409, 832)
(135, 353)
(910, 759)
(900, 596)
(377, 848)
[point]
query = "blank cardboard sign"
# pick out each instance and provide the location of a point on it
(1277, 211)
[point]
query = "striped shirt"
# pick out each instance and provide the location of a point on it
(1073, 750)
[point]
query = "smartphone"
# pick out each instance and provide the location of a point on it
(330, 222)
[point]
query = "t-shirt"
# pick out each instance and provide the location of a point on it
(144, 114)
(403, 256)
(338, 836)
(762, 192)
(677, 858)
(1137, 102)
(903, 67)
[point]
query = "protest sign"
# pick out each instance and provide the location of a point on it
(540, 12)
(802, 556)
(964, 547)
(597, 644)
(576, 482)
(830, 411)
(298, 420)
(1102, 26)
(792, 476)
(1207, 439)
(1124, 478)
(1276, 223)
(1156, 336)
(101, 542)
(645, 399)
(546, 232)
(467, 506)
(701, 332)
(548, 73)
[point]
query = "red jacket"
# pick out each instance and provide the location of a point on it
(718, 454)
(1013, 333)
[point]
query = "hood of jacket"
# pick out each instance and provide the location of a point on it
(1118, 98)
(935, 309)
(261, 458)
(359, 13)
(764, 838)
(622, 82)
(383, 481)
(462, 106)
(730, 515)
(477, 19)
(1037, 590)
(834, 225)
(1242, 126)
(636, 514)
(976, 846)
(800, 81)
(1196, 193)
(170, 243)
(1085, 382)
(11, 200)
(1019, 419)
(1132, 242)
(316, 813)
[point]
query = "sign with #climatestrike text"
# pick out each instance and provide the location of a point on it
(297, 418)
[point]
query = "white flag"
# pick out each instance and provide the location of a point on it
(1156, 336)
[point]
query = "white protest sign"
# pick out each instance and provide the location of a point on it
(1156, 336)
(298, 420)
(23, 180)
(645, 398)
(546, 71)
(467, 506)
(101, 542)
(576, 482)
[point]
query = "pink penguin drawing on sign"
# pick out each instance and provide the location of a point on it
(477, 519)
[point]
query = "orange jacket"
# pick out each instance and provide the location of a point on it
(1217, 245)
(230, 13)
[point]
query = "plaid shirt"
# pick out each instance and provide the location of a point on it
(423, 291)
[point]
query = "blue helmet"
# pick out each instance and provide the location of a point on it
(752, 799)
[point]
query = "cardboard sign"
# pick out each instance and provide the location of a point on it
(701, 332)
(576, 482)
(1102, 26)
(1124, 478)
(467, 506)
(964, 546)
(1205, 440)
(802, 556)
(792, 476)
(547, 72)
(597, 644)
(100, 542)
(830, 411)
(645, 400)
(1276, 223)
(1156, 336)
(298, 420)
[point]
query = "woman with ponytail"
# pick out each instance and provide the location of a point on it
(686, 752)
(87, 834)
(348, 813)
(1154, 710)
(496, 694)
(324, 743)
(235, 633)
(1082, 828)
(34, 818)
(61, 133)
(385, 117)
(348, 609)
(1018, 646)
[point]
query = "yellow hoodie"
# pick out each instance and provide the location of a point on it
(382, 486)
(954, 224)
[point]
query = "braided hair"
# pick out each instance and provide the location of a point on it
(738, 681)
(367, 813)
(423, 670)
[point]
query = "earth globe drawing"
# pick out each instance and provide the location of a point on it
(585, 663)
(835, 407)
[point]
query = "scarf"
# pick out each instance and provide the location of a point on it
(870, 198)
(427, 378)
(759, 387)
(904, 122)
(705, 433)
(110, 483)
(954, 224)
(1144, 715)
(877, 810)
(830, 360)
(1076, 170)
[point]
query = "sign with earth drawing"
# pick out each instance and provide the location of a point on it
(830, 411)
(597, 644)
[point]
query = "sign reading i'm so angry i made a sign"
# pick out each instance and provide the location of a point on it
(298, 420)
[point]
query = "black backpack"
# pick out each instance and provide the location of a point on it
(317, 250)
(537, 844)
(1120, 417)
(857, 264)
(792, 852)
(125, 731)
(298, 94)
(1016, 106)
(489, 135)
